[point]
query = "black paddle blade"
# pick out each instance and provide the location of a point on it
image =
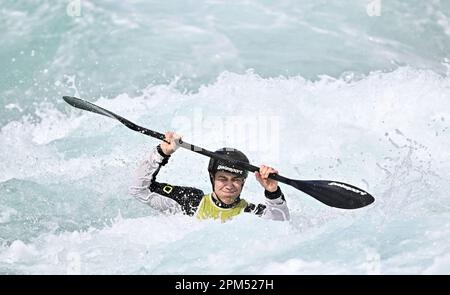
(87, 106)
(334, 193)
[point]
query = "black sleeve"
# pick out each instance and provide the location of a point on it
(274, 195)
(188, 197)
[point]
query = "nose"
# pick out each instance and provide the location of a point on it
(229, 185)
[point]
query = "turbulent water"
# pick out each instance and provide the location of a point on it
(355, 91)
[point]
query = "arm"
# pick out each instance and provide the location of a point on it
(162, 196)
(275, 204)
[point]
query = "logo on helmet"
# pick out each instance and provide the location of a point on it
(229, 169)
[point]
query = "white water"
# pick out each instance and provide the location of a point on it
(64, 179)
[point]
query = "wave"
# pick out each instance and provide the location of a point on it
(64, 178)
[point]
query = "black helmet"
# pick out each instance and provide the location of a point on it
(222, 165)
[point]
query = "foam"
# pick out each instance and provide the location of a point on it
(385, 132)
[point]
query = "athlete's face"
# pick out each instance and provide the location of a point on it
(227, 186)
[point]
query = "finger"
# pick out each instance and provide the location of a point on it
(173, 139)
(267, 172)
(176, 140)
(271, 170)
(169, 136)
(261, 178)
(258, 177)
(262, 168)
(261, 171)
